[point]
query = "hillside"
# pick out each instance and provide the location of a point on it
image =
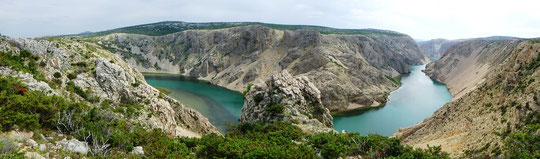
(435, 48)
(168, 27)
(466, 64)
(496, 110)
(352, 71)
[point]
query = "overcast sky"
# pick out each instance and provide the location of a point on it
(422, 19)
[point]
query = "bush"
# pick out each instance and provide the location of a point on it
(247, 89)
(72, 76)
(275, 108)
(25, 62)
(80, 64)
(27, 109)
(76, 89)
(524, 144)
(57, 75)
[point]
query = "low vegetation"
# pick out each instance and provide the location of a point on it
(248, 88)
(24, 62)
(110, 136)
(163, 90)
(524, 144)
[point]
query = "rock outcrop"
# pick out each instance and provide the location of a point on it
(287, 98)
(103, 77)
(351, 70)
(504, 101)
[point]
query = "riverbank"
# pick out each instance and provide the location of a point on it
(416, 99)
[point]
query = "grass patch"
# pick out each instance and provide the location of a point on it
(163, 90)
(395, 80)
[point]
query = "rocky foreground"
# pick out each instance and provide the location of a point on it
(70, 72)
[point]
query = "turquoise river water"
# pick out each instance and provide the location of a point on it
(416, 99)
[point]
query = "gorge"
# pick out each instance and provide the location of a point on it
(231, 90)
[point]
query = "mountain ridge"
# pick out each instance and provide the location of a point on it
(168, 27)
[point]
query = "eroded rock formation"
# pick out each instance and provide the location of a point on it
(287, 98)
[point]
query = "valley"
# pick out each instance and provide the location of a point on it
(248, 89)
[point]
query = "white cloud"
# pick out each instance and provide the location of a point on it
(423, 19)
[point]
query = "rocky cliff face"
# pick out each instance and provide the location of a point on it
(435, 48)
(100, 76)
(504, 101)
(351, 71)
(466, 64)
(287, 98)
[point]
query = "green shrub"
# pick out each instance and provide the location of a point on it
(136, 83)
(275, 108)
(247, 89)
(57, 75)
(524, 144)
(27, 109)
(72, 76)
(76, 89)
(25, 62)
(80, 64)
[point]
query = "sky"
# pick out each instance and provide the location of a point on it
(421, 19)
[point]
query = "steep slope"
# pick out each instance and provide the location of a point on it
(84, 72)
(435, 48)
(504, 99)
(352, 70)
(285, 98)
(466, 64)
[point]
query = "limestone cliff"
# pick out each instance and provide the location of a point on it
(504, 97)
(99, 76)
(287, 98)
(351, 70)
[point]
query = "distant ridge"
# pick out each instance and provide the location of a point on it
(168, 27)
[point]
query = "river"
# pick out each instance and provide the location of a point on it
(416, 99)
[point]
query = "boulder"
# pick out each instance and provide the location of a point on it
(138, 150)
(74, 145)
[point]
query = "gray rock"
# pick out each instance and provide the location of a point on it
(42, 147)
(33, 155)
(138, 150)
(32, 143)
(286, 98)
(74, 145)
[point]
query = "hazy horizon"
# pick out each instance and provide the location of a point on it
(421, 19)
